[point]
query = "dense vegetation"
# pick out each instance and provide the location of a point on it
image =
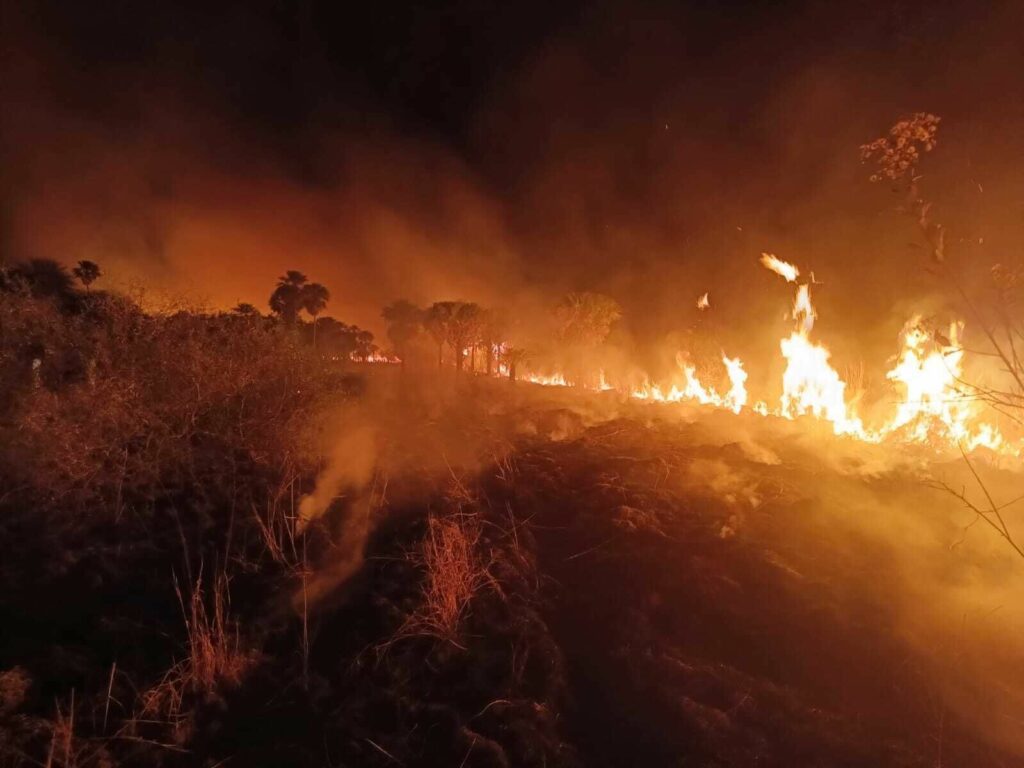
(159, 573)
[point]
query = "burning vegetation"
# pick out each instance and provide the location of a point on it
(530, 464)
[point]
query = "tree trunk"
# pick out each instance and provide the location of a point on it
(314, 331)
(511, 371)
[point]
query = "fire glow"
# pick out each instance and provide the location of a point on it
(933, 408)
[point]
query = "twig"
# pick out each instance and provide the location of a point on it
(593, 548)
(110, 688)
(383, 751)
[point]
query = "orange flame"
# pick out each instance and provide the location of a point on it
(934, 407)
(780, 267)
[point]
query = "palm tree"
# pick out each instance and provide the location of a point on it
(87, 272)
(286, 300)
(314, 298)
(405, 322)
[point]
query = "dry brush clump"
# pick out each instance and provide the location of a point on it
(216, 659)
(105, 398)
(454, 573)
(456, 568)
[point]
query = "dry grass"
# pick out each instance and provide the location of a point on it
(279, 531)
(216, 658)
(455, 572)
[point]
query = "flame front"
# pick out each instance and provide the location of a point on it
(933, 408)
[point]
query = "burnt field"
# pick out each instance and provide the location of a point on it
(480, 573)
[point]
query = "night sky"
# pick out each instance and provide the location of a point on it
(507, 151)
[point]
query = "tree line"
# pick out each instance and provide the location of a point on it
(461, 334)
(492, 340)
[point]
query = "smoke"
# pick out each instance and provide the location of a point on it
(621, 153)
(149, 175)
(349, 466)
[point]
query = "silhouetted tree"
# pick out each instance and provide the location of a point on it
(87, 272)
(465, 330)
(438, 322)
(405, 321)
(513, 356)
(344, 341)
(314, 299)
(245, 310)
(44, 278)
(493, 327)
(294, 293)
(286, 300)
(584, 320)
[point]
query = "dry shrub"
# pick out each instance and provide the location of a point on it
(455, 572)
(104, 406)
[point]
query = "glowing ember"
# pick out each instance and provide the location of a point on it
(703, 302)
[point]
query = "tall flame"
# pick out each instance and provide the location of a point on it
(935, 405)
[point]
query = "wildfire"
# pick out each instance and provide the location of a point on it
(933, 406)
(933, 409)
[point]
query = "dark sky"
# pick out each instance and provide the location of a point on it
(507, 151)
